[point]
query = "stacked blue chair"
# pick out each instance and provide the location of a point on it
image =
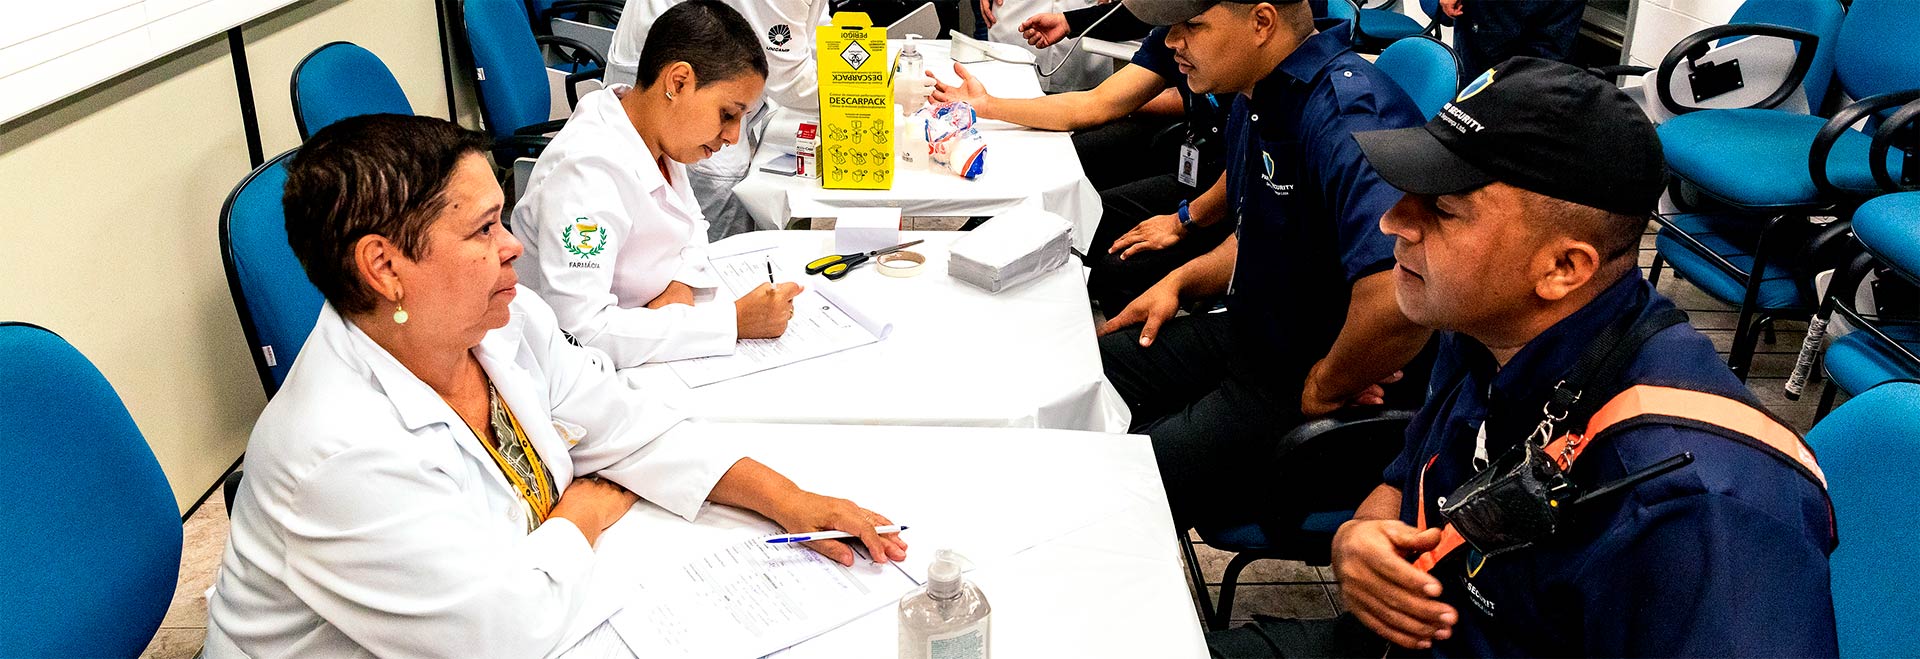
(1873, 604)
(1882, 347)
(511, 77)
(1749, 181)
(604, 13)
(341, 80)
(1376, 27)
(277, 305)
(1426, 69)
(91, 564)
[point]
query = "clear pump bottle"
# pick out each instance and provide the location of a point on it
(949, 618)
(908, 69)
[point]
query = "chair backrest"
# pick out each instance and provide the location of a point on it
(1875, 53)
(93, 558)
(1820, 17)
(1425, 68)
(341, 80)
(1862, 447)
(512, 76)
(277, 304)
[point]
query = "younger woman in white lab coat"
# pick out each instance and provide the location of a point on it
(615, 239)
(431, 478)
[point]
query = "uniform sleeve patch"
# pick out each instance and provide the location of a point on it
(584, 239)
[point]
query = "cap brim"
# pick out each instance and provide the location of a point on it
(1167, 12)
(1414, 161)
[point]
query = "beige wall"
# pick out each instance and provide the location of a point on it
(109, 211)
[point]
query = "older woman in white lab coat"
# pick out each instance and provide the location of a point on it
(432, 477)
(615, 238)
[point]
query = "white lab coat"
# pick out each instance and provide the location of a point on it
(605, 233)
(371, 522)
(785, 28)
(1082, 71)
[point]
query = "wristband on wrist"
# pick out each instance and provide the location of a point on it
(1186, 219)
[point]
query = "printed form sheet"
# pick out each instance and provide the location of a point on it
(752, 599)
(823, 323)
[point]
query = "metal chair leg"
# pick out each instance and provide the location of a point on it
(1740, 358)
(1199, 579)
(1766, 325)
(1830, 393)
(1653, 271)
(1228, 582)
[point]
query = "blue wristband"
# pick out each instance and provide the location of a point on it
(1186, 219)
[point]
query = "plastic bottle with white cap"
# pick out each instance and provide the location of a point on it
(949, 618)
(909, 72)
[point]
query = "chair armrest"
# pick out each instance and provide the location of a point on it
(1697, 45)
(565, 8)
(582, 51)
(1346, 423)
(539, 129)
(573, 80)
(528, 145)
(1842, 122)
(1617, 70)
(1883, 139)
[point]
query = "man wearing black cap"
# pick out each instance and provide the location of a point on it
(1704, 528)
(1310, 324)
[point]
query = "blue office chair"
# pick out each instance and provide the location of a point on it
(1883, 347)
(91, 564)
(276, 303)
(1748, 180)
(341, 80)
(1378, 26)
(511, 77)
(1426, 69)
(1874, 605)
(604, 13)
(1369, 437)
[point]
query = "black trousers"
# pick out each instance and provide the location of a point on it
(1214, 420)
(1491, 31)
(1126, 150)
(1114, 281)
(1278, 638)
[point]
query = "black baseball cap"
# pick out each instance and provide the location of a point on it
(1170, 12)
(1536, 124)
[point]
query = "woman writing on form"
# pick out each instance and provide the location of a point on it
(431, 478)
(614, 236)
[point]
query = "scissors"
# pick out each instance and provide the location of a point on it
(836, 266)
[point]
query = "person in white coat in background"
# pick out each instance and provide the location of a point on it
(783, 30)
(1078, 70)
(615, 239)
(432, 477)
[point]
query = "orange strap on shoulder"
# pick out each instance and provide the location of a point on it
(1638, 401)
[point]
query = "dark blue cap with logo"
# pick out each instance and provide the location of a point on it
(1538, 125)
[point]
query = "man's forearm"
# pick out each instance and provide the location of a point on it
(1209, 273)
(1210, 206)
(1383, 503)
(1069, 111)
(1376, 340)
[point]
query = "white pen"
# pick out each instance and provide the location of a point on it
(826, 535)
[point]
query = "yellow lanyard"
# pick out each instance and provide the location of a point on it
(538, 496)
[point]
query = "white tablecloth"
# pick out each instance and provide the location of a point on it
(958, 355)
(1104, 579)
(1024, 167)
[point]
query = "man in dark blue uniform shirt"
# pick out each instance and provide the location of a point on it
(1486, 32)
(1526, 199)
(1310, 324)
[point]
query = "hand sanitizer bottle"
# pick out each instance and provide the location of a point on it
(908, 69)
(949, 619)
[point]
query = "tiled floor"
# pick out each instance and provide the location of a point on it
(1275, 588)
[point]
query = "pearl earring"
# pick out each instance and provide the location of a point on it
(399, 315)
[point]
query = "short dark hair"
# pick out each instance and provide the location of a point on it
(707, 34)
(378, 174)
(1612, 234)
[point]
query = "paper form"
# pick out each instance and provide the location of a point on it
(751, 599)
(823, 324)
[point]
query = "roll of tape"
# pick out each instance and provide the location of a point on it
(902, 264)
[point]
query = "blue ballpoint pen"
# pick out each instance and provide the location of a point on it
(826, 535)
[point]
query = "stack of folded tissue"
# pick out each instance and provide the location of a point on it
(1011, 249)
(952, 140)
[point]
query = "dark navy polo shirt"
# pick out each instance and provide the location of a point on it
(1724, 557)
(1206, 113)
(1308, 202)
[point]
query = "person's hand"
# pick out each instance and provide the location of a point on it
(1452, 8)
(1151, 309)
(1314, 401)
(1157, 232)
(764, 312)
(986, 11)
(1382, 587)
(1044, 30)
(805, 511)
(593, 504)
(676, 293)
(969, 89)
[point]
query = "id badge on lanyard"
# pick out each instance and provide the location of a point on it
(1189, 171)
